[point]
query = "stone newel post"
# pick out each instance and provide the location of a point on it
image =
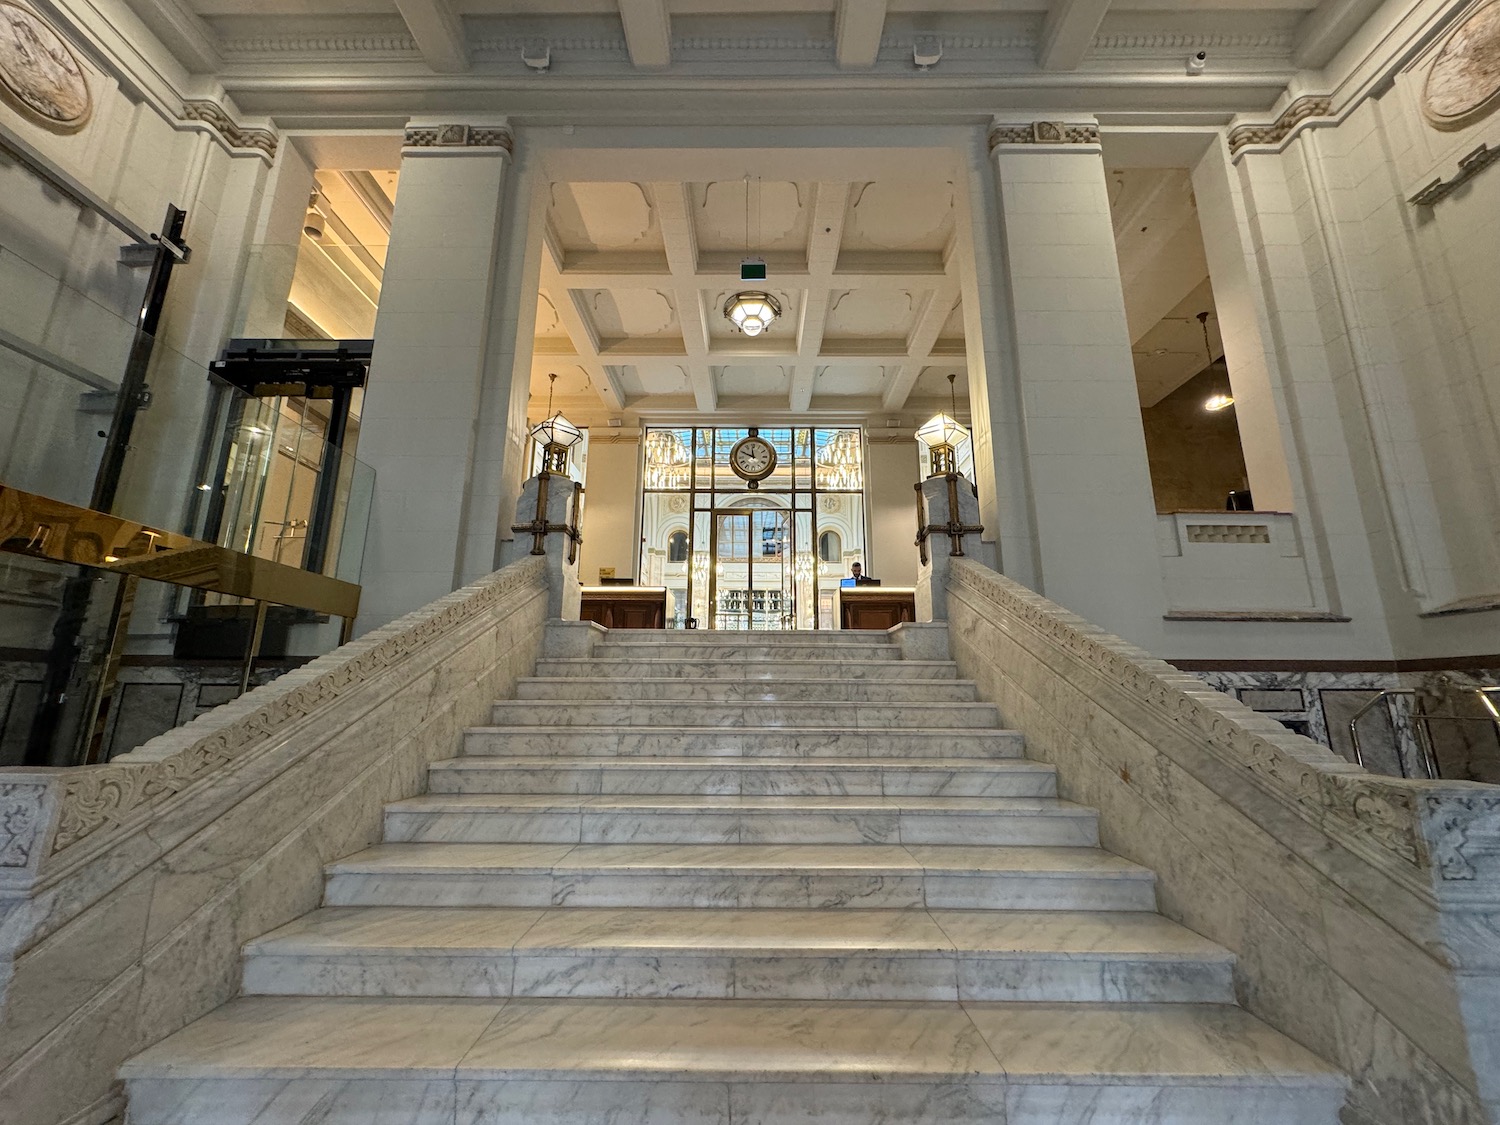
(947, 511)
(547, 519)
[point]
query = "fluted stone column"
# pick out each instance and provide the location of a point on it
(429, 380)
(1085, 449)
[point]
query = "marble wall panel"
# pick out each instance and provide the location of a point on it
(136, 930)
(1339, 945)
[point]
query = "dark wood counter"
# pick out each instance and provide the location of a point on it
(625, 607)
(876, 607)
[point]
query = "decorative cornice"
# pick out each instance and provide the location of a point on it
(1305, 108)
(1176, 41)
(320, 45)
(96, 798)
(1044, 133)
(1456, 832)
(230, 132)
(460, 137)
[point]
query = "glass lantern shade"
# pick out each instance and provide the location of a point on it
(752, 313)
(557, 435)
(940, 435)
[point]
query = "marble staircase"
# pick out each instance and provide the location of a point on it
(736, 878)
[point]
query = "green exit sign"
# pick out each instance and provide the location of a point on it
(753, 269)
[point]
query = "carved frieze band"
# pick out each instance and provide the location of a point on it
(1044, 133)
(234, 134)
(461, 136)
(1384, 812)
(1305, 108)
(95, 797)
(22, 806)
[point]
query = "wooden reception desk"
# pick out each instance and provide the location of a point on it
(876, 607)
(625, 607)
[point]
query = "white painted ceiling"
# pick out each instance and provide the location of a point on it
(636, 275)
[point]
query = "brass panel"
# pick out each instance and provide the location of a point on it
(51, 529)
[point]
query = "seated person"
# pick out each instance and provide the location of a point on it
(858, 577)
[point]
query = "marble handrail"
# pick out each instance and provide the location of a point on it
(1364, 909)
(127, 889)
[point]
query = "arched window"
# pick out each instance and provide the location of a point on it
(677, 547)
(830, 547)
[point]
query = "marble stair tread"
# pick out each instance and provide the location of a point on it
(764, 689)
(342, 1038)
(731, 667)
(770, 742)
(592, 931)
(689, 803)
(889, 776)
(760, 859)
(753, 714)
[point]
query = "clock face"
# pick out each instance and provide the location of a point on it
(752, 458)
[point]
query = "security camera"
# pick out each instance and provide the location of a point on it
(537, 54)
(314, 225)
(926, 51)
(1197, 63)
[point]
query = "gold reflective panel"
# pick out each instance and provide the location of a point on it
(51, 529)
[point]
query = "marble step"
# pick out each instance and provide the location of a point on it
(1109, 957)
(937, 876)
(481, 818)
(268, 1060)
(722, 690)
(700, 650)
(891, 777)
(730, 668)
(740, 638)
(699, 714)
(741, 742)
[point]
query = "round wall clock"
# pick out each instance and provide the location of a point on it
(1464, 82)
(753, 459)
(39, 73)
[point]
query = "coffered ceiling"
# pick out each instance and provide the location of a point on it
(635, 277)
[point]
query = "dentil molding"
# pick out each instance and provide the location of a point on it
(460, 137)
(1044, 133)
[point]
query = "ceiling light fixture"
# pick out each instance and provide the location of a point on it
(752, 313)
(941, 435)
(556, 434)
(1215, 402)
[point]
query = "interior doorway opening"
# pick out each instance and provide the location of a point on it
(743, 556)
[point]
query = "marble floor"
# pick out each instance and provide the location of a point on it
(782, 878)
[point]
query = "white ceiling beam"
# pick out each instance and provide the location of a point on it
(830, 205)
(1324, 31)
(184, 32)
(924, 337)
(1068, 31)
(674, 217)
(438, 32)
(648, 33)
(857, 31)
(605, 378)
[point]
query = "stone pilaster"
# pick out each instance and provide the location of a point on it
(547, 519)
(947, 528)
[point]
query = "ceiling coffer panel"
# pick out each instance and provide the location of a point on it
(877, 313)
(750, 217)
(604, 216)
(904, 215)
(631, 314)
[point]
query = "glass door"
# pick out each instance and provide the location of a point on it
(751, 579)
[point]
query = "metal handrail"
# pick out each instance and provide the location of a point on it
(1424, 740)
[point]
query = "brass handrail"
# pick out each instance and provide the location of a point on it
(42, 528)
(1424, 741)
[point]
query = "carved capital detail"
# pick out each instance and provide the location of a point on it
(461, 136)
(1044, 133)
(230, 131)
(1305, 108)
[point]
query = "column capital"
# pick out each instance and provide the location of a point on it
(431, 137)
(1052, 134)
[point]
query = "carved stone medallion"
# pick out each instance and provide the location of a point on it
(1464, 82)
(39, 73)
